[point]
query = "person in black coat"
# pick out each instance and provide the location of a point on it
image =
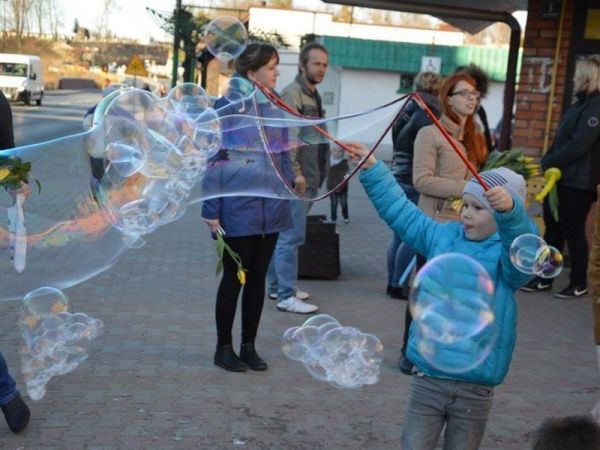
(576, 152)
(404, 132)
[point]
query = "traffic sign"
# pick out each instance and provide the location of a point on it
(136, 67)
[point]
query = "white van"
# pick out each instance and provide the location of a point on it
(21, 78)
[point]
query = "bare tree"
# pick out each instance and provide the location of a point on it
(20, 10)
(108, 7)
(38, 8)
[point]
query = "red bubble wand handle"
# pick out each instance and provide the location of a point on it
(440, 127)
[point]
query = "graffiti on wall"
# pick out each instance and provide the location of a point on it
(539, 74)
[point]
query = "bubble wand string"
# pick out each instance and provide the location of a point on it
(414, 96)
(284, 106)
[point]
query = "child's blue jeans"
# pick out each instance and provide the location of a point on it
(8, 389)
(463, 407)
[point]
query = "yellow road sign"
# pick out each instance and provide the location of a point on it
(136, 67)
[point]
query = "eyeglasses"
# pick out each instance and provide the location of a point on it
(465, 93)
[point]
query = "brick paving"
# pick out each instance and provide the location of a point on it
(149, 382)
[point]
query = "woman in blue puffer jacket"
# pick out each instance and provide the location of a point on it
(251, 213)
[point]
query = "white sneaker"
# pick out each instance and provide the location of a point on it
(302, 295)
(297, 306)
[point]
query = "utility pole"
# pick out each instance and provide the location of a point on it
(176, 39)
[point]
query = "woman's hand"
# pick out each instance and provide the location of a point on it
(358, 152)
(213, 224)
(499, 198)
(22, 190)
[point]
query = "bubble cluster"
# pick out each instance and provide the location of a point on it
(144, 162)
(226, 38)
(343, 356)
(55, 341)
(452, 304)
(154, 152)
(530, 254)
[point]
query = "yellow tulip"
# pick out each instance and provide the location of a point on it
(241, 276)
(4, 172)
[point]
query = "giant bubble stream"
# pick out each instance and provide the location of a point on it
(145, 161)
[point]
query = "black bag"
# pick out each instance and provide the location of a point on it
(319, 257)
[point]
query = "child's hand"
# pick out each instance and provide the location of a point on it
(499, 198)
(358, 152)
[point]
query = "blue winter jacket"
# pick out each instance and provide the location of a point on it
(246, 189)
(429, 238)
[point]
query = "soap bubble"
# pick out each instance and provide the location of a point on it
(452, 298)
(226, 38)
(55, 341)
(548, 262)
(343, 356)
(452, 303)
(238, 89)
(530, 254)
(524, 251)
(144, 162)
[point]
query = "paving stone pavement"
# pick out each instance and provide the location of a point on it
(150, 383)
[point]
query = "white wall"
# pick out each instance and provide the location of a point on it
(292, 25)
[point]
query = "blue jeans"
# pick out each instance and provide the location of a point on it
(8, 388)
(283, 270)
(399, 254)
(463, 407)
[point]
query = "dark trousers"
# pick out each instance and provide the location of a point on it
(342, 197)
(255, 253)
(573, 209)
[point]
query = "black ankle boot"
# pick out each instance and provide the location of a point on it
(16, 412)
(249, 356)
(226, 358)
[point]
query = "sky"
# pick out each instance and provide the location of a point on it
(130, 18)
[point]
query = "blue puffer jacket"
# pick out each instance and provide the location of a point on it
(247, 192)
(430, 238)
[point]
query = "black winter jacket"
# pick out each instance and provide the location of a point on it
(576, 147)
(404, 133)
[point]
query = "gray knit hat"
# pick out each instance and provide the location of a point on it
(509, 180)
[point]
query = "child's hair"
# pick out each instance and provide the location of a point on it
(568, 433)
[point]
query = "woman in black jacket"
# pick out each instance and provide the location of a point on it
(576, 152)
(404, 132)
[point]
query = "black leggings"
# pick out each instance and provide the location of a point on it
(573, 208)
(255, 252)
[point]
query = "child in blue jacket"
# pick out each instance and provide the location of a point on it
(489, 222)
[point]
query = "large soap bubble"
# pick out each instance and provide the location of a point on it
(452, 303)
(143, 163)
(343, 356)
(530, 254)
(55, 341)
(226, 38)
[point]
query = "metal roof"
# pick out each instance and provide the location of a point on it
(406, 57)
(469, 15)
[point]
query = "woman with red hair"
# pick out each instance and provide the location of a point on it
(439, 174)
